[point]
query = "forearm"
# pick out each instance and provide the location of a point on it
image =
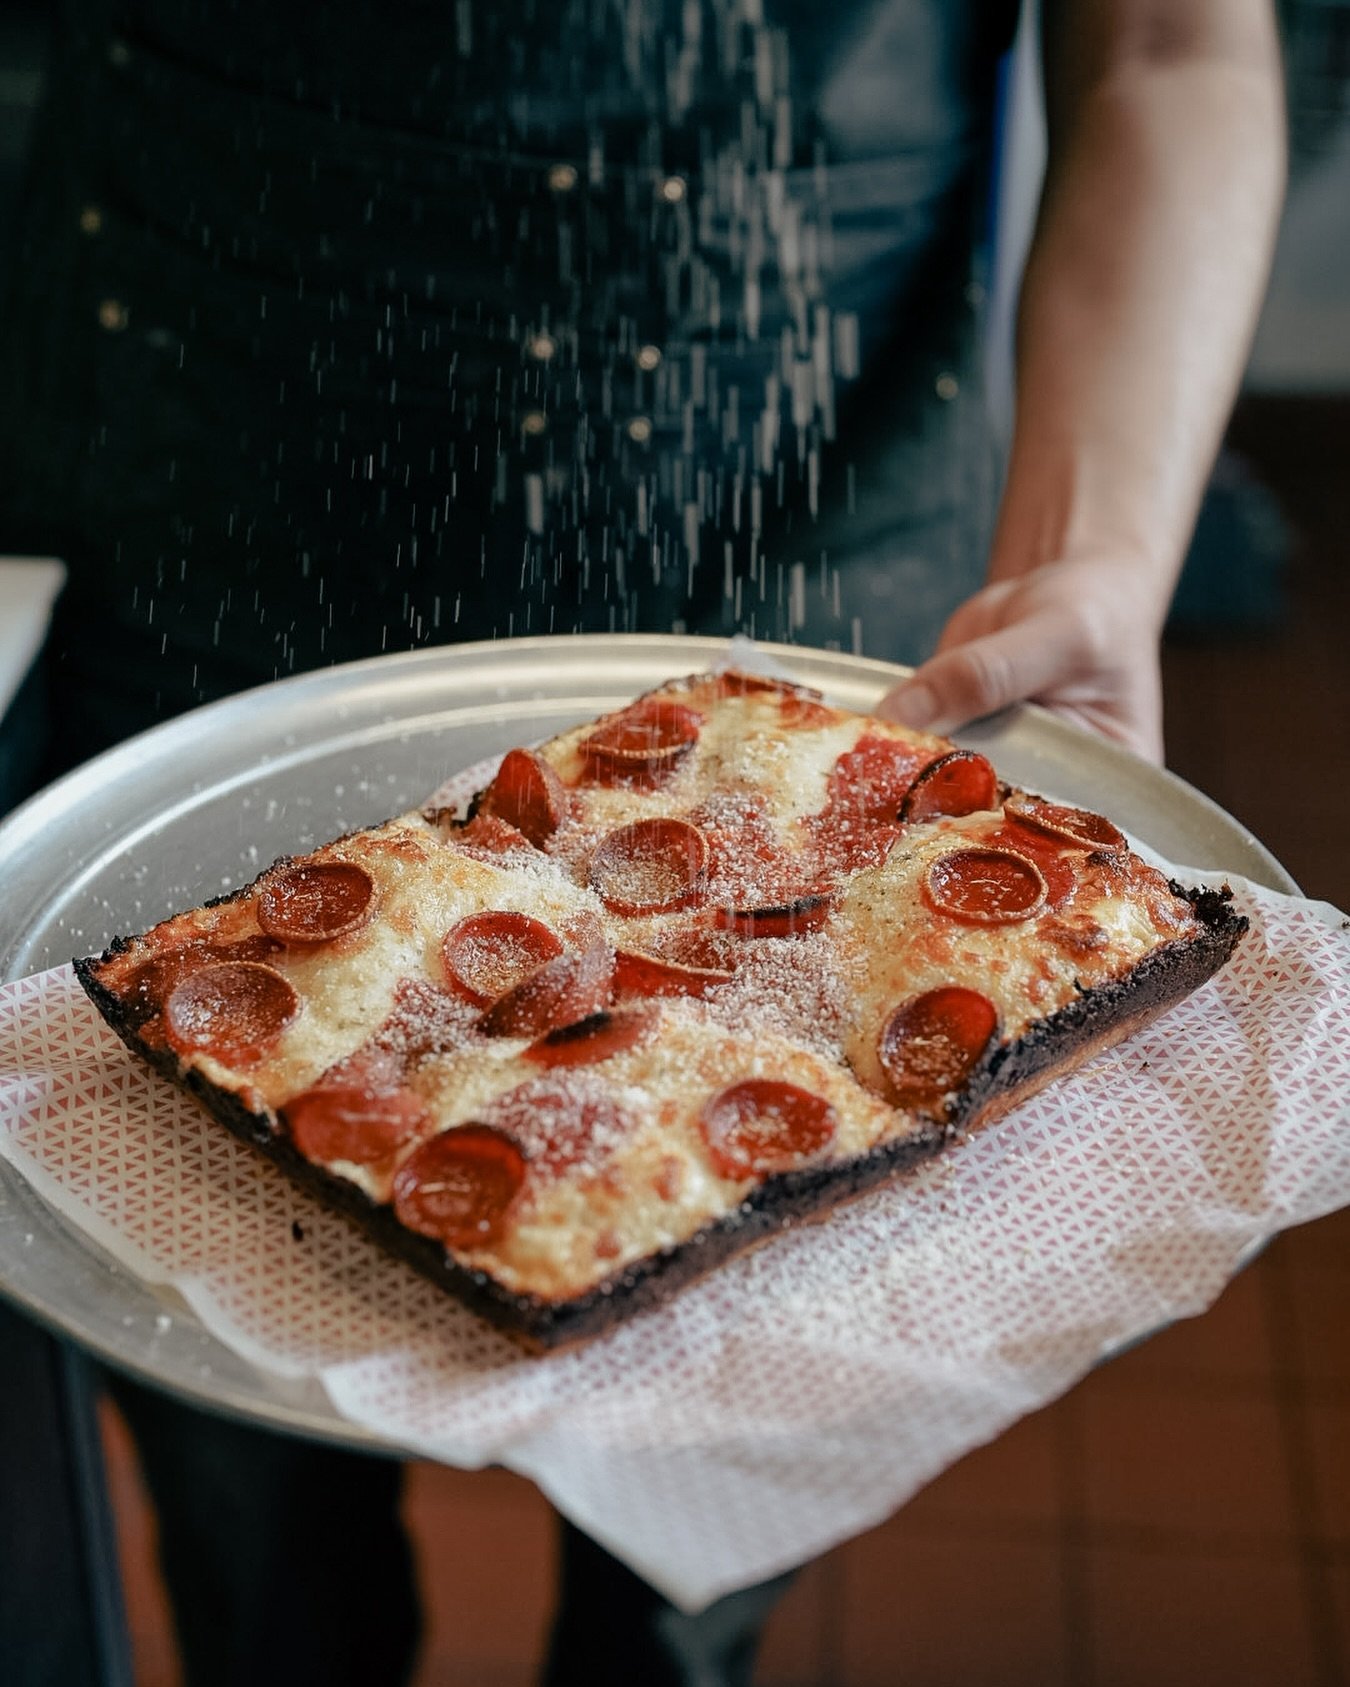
(1139, 300)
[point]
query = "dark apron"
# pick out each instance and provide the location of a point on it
(424, 323)
(464, 319)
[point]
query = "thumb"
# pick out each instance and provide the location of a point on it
(983, 675)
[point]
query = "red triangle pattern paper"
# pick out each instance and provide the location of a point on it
(804, 1391)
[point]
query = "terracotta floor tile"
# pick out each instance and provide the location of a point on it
(1175, 1619)
(1014, 1479)
(441, 1488)
(486, 1572)
(1319, 1308)
(1338, 1578)
(1325, 1242)
(944, 1612)
(1328, 1429)
(793, 1654)
(1184, 1461)
(154, 1660)
(1228, 1344)
(154, 1650)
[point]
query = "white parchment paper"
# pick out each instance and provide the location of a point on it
(802, 1393)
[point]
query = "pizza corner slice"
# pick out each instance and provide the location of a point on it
(680, 977)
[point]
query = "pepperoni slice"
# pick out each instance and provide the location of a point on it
(572, 986)
(231, 1010)
(986, 886)
(485, 955)
(489, 834)
(763, 1125)
(151, 982)
(962, 782)
(1059, 864)
(595, 1038)
(701, 946)
(846, 846)
(315, 901)
(648, 738)
(425, 1019)
(460, 1187)
(733, 683)
(651, 866)
(799, 706)
(528, 795)
(1075, 825)
(357, 1112)
(582, 929)
(930, 1044)
(560, 1123)
(791, 919)
(647, 975)
(869, 782)
(806, 714)
(749, 864)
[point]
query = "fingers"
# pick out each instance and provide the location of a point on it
(1076, 635)
(978, 615)
(977, 676)
(1133, 719)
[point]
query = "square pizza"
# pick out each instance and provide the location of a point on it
(673, 981)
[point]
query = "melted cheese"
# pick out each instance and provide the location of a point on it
(808, 1010)
(658, 1188)
(742, 744)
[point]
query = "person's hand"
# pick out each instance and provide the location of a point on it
(1079, 635)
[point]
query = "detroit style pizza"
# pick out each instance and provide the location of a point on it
(682, 976)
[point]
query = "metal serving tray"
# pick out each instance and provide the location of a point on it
(203, 803)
